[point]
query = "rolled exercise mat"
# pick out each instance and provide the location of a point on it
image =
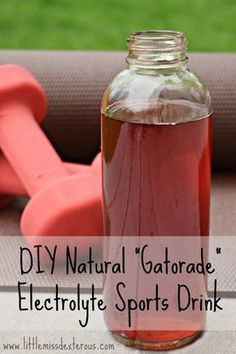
(74, 83)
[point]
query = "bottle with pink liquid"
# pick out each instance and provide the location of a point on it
(156, 154)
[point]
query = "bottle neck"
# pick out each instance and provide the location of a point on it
(156, 50)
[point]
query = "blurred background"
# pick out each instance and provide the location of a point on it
(210, 25)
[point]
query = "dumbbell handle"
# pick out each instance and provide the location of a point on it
(27, 148)
(10, 184)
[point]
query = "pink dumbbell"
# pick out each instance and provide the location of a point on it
(60, 204)
(10, 184)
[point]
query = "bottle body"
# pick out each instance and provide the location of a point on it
(158, 179)
(156, 152)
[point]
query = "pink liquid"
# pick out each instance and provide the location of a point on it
(156, 178)
(156, 181)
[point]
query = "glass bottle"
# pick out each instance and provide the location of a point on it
(156, 152)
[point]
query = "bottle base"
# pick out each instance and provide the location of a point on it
(158, 346)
